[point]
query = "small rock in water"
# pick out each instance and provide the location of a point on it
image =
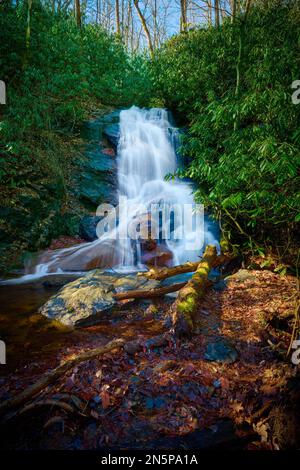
(221, 351)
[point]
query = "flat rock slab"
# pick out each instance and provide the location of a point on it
(85, 300)
(241, 275)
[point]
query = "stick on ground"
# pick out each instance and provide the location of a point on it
(149, 294)
(55, 374)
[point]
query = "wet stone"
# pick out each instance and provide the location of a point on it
(220, 351)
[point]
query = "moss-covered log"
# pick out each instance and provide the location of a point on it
(189, 295)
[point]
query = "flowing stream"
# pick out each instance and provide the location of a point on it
(146, 154)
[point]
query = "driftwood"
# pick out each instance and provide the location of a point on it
(150, 293)
(188, 296)
(55, 374)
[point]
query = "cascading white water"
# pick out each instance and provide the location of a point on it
(145, 157)
(146, 154)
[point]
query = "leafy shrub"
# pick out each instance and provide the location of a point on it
(243, 145)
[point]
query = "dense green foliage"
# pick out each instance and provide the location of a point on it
(52, 85)
(244, 140)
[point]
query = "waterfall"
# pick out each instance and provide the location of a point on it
(146, 154)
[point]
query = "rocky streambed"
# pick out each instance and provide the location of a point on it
(231, 384)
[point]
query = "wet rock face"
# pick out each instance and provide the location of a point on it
(97, 178)
(97, 181)
(86, 300)
(88, 227)
(112, 133)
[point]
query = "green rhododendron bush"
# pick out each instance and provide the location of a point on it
(232, 87)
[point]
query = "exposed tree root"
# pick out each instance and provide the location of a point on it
(49, 402)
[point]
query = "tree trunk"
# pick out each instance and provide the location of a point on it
(78, 13)
(233, 10)
(144, 24)
(187, 300)
(183, 15)
(217, 13)
(155, 24)
(163, 273)
(209, 12)
(239, 61)
(118, 28)
(28, 34)
(159, 274)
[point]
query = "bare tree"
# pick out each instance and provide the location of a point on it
(233, 9)
(217, 13)
(145, 27)
(183, 15)
(118, 28)
(27, 34)
(78, 13)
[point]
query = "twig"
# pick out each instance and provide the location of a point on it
(56, 373)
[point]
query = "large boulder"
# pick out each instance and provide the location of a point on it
(86, 300)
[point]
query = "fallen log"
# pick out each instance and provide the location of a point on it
(160, 274)
(53, 375)
(150, 293)
(188, 296)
